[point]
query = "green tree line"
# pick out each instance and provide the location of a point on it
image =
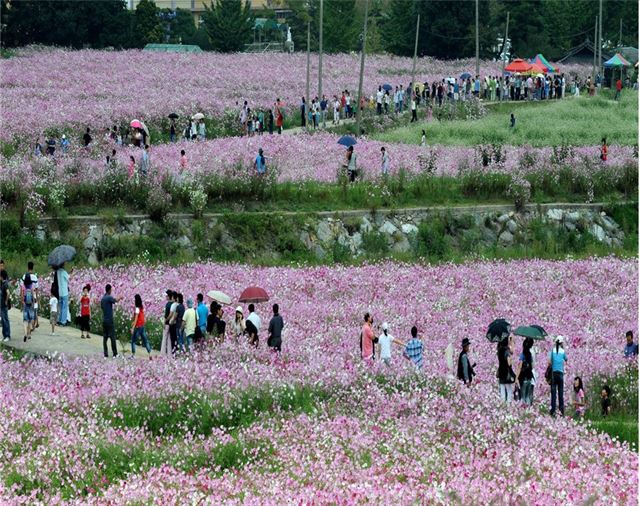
(447, 27)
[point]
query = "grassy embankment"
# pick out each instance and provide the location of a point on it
(578, 121)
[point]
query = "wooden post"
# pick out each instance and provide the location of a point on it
(504, 44)
(362, 55)
(320, 51)
(600, 44)
(595, 53)
(415, 55)
(477, 42)
(306, 105)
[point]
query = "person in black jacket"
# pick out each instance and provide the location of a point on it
(465, 369)
(276, 324)
(506, 376)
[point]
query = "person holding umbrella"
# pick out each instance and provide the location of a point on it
(526, 371)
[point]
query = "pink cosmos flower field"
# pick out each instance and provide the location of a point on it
(54, 88)
(300, 158)
(372, 434)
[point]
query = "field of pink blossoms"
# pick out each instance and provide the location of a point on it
(53, 88)
(381, 435)
(308, 158)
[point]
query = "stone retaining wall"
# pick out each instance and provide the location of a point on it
(486, 225)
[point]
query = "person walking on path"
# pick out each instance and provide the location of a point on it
(557, 359)
(189, 324)
(324, 105)
(5, 305)
(366, 338)
(165, 345)
(85, 312)
(414, 109)
(352, 169)
(276, 324)
(108, 327)
(414, 348)
(465, 369)
(137, 326)
(336, 110)
(526, 371)
(385, 340)
(28, 312)
(506, 376)
(36, 292)
(270, 121)
(303, 112)
(53, 311)
(173, 327)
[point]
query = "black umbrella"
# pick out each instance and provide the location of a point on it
(173, 115)
(498, 330)
(60, 255)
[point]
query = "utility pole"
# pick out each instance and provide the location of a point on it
(415, 55)
(477, 43)
(504, 44)
(320, 49)
(620, 35)
(600, 43)
(306, 105)
(595, 52)
(362, 54)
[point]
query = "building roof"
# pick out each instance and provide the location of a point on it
(173, 48)
(586, 46)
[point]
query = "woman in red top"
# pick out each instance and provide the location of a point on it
(85, 312)
(604, 150)
(137, 326)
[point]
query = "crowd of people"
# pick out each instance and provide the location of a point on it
(517, 377)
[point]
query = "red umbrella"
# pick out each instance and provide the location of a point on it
(518, 65)
(254, 294)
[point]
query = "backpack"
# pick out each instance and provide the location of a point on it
(28, 297)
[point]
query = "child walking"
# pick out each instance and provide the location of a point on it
(85, 312)
(53, 312)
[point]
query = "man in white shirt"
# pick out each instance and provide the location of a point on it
(36, 292)
(255, 323)
(379, 96)
(384, 341)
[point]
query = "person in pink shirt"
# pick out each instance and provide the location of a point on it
(132, 166)
(366, 338)
(183, 160)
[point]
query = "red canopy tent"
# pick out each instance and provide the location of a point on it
(518, 66)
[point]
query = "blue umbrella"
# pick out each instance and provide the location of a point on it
(387, 87)
(347, 140)
(466, 75)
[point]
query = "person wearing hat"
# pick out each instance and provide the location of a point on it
(189, 323)
(64, 144)
(384, 342)
(557, 359)
(237, 325)
(465, 369)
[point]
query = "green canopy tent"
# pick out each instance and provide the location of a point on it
(539, 59)
(172, 48)
(617, 61)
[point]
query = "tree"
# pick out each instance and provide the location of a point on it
(148, 26)
(229, 24)
(398, 27)
(340, 30)
(181, 26)
(66, 23)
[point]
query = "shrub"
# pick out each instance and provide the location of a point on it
(158, 204)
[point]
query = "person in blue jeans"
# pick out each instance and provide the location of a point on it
(63, 295)
(557, 359)
(137, 326)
